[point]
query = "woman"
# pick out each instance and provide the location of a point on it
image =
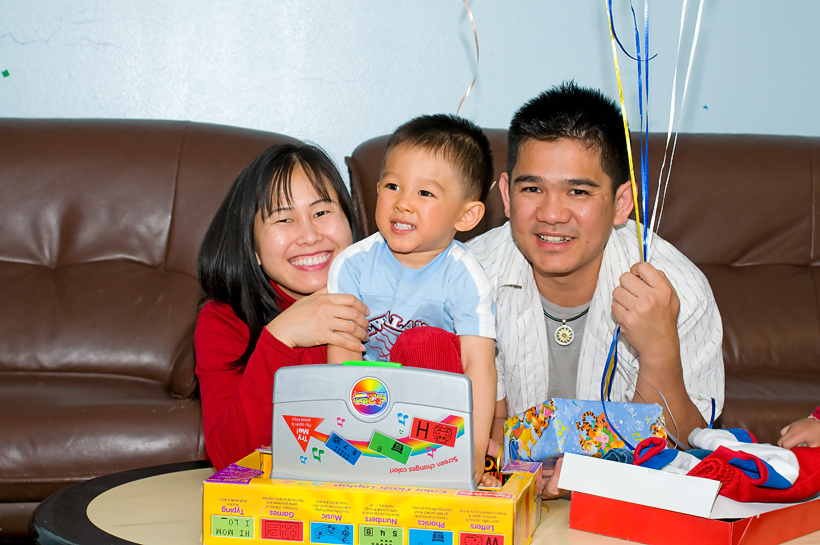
(263, 267)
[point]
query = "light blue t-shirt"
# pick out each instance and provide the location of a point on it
(451, 292)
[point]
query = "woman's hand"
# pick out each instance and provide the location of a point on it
(323, 318)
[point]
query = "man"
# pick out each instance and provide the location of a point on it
(566, 271)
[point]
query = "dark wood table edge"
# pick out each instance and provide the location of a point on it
(61, 519)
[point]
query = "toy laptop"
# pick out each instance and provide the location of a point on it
(373, 422)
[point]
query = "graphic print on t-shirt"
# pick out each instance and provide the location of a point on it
(385, 329)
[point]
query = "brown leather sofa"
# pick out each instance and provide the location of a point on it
(101, 221)
(745, 209)
(100, 225)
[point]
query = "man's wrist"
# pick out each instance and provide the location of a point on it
(665, 366)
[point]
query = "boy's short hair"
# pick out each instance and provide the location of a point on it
(576, 113)
(459, 141)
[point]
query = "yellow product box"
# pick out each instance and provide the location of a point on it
(241, 505)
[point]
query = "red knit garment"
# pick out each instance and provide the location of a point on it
(738, 486)
(647, 449)
(428, 348)
(237, 406)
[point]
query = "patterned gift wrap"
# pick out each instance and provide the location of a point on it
(557, 426)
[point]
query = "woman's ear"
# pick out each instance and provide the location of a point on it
(473, 212)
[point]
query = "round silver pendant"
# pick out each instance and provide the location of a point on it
(564, 335)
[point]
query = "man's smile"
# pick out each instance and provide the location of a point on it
(553, 240)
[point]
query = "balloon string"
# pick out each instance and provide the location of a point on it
(475, 35)
(606, 384)
(612, 28)
(680, 114)
(643, 106)
(611, 366)
(645, 242)
(626, 131)
(671, 124)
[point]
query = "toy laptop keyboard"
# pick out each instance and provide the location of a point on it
(373, 424)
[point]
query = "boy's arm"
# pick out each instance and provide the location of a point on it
(478, 361)
(343, 278)
(497, 431)
(337, 354)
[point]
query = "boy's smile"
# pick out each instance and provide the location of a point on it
(420, 201)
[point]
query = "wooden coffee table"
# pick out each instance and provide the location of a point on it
(162, 505)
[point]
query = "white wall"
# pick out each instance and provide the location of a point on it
(340, 72)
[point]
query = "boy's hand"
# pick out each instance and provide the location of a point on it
(806, 431)
(549, 482)
(479, 469)
(478, 361)
(489, 481)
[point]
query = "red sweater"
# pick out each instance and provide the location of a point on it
(237, 408)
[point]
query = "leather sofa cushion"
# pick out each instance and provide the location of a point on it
(95, 424)
(770, 318)
(763, 402)
(84, 193)
(107, 317)
(15, 518)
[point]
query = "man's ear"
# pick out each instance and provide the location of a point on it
(473, 212)
(504, 188)
(623, 203)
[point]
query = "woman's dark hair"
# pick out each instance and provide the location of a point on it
(227, 268)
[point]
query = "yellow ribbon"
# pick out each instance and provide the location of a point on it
(626, 131)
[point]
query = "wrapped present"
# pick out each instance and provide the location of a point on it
(558, 426)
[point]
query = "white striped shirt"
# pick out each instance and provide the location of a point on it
(522, 358)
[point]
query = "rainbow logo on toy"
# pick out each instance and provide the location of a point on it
(369, 397)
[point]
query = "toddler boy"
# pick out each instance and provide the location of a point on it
(436, 171)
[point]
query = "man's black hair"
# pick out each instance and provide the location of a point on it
(575, 113)
(459, 141)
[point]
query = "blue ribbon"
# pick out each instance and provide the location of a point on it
(643, 78)
(612, 25)
(712, 420)
(606, 386)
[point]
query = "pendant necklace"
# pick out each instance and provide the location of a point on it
(564, 335)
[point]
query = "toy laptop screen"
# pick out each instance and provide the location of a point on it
(373, 424)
